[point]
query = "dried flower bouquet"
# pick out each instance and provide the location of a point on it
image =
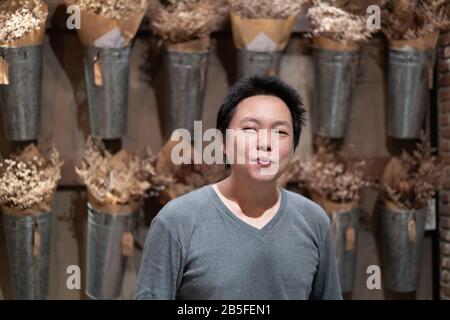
(19, 18)
(335, 177)
(115, 182)
(186, 20)
(28, 181)
(411, 19)
(332, 23)
(411, 180)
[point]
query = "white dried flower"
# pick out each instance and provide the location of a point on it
(266, 9)
(113, 9)
(27, 182)
(118, 179)
(19, 17)
(334, 23)
(186, 20)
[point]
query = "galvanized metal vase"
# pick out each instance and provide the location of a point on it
(254, 63)
(408, 93)
(28, 241)
(345, 226)
(185, 74)
(402, 235)
(334, 77)
(20, 97)
(106, 261)
(107, 74)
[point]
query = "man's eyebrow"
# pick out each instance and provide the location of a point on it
(281, 122)
(249, 119)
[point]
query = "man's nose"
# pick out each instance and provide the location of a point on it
(264, 141)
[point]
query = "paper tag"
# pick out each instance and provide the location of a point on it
(262, 43)
(4, 72)
(111, 39)
(127, 244)
(350, 238)
(98, 76)
(412, 230)
(36, 242)
(430, 217)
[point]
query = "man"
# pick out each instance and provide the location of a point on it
(244, 237)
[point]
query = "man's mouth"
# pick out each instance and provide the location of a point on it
(263, 161)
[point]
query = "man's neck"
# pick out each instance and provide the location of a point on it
(253, 198)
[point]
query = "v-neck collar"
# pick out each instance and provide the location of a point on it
(260, 232)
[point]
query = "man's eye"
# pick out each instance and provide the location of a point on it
(277, 131)
(250, 130)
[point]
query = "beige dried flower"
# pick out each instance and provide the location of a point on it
(336, 24)
(118, 179)
(186, 20)
(411, 19)
(113, 9)
(19, 17)
(266, 9)
(29, 180)
(412, 179)
(335, 175)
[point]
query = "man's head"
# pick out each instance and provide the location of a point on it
(265, 115)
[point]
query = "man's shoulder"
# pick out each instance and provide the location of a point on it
(304, 208)
(185, 207)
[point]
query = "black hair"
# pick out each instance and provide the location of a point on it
(262, 85)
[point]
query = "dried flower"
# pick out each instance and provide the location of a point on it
(19, 17)
(28, 180)
(332, 22)
(266, 9)
(337, 176)
(412, 179)
(118, 179)
(113, 9)
(177, 180)
(410, 19)
(186, 20)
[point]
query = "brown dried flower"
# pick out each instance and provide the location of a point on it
(337, 176)
(266, 9)
(334, 23)
(19, 17)
(113, 9)
(186, 20)
(29, 180)
(118, 179)
(177, 180)
(411, 19)
(412, 179)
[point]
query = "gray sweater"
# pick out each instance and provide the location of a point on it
(197, 248)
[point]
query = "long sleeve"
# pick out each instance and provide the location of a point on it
(162, 263)
(326, 284)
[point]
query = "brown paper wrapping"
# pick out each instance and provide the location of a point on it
(330, 44)
(114, 209)
(198, 45)
(246, 30)
(426, 43)
(332, 206)
(4, 72)
(94, 26)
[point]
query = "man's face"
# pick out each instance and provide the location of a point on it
(262, 137)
